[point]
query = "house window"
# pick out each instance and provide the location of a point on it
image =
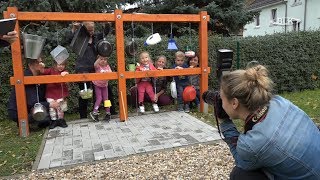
(257, 20)
(274, 15)
(295, 25)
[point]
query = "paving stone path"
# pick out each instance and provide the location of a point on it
(91, 141)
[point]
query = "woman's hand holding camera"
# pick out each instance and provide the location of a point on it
(213, 98)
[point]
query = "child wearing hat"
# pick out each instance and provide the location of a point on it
(57, 92)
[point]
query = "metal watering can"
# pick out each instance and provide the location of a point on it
(39, 112)
(32, 44)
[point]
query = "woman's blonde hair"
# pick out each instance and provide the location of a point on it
(252, 87)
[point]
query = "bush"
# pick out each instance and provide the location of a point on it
(292, 58)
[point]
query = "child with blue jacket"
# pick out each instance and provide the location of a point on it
(181, 81)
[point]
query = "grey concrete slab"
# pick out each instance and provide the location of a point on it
(87, 141)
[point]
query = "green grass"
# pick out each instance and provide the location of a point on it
(308, 100)
(17, 154)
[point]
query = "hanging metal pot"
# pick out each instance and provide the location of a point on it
(59, 54)
(80, 41)
(104, 48)
(131, 48)
(153, 39)
(32, 44)
(39, 112)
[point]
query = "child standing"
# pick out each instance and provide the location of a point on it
(194, 80)
(181, 81)
(145, 84)
(101, 88)
(57, 92)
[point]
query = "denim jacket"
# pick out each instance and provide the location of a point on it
(285, 144)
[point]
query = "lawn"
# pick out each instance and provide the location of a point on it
(18, 154)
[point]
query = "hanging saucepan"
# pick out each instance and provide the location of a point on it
(32, 44)
(39, 112)
(104, 48)
(131, 48)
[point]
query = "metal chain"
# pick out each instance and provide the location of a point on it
(190, 35)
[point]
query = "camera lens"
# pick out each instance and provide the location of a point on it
(208, 97)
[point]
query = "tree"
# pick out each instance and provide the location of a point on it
(54, 31)
(227, 16)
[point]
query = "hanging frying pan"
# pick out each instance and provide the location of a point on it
(131, 48)
(103, 47)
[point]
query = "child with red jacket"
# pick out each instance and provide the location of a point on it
(145, 84)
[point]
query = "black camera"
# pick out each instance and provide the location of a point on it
(213, 98)
(223, 66)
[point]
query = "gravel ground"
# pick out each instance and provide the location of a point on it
(209, 161)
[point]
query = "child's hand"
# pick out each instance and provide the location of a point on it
(156, 98)
(178, 67)
(191, 67)
(64, 73)
(42, 65)
(159, 68)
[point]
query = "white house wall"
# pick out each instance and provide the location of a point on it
(266, 26)
(295, 11)
(313, 15)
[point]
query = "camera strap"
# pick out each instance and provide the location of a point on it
(258, 116)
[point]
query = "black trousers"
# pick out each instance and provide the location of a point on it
(84, 103)
(240, 174)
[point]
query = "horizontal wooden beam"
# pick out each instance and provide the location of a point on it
(161, 17)
(106, 76)
(68, 16)
(58, 16)
(67, 78)
(161, 73)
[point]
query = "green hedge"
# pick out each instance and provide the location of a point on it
(292, 58)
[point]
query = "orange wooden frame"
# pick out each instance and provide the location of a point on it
(19, 81)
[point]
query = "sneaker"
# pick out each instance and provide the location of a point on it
(94, 116)
(186, 108)
(62, 123)
(141, 109)
(155, 107)
(53, 124)
(180, 107)
(107, 117)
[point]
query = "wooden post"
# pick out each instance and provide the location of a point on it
(203, 48)
(19, 77)
(122, 93)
